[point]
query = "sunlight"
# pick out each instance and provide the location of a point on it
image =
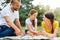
(52, 3)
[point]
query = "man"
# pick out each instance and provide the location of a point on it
(9, 20)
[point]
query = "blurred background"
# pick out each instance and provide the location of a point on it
(40, 5)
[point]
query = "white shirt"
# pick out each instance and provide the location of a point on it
(27, 21)
(8, 12)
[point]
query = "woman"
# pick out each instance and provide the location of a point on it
(31, 23)
(49, 25)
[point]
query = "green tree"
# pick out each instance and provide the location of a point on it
(25, 10)
(26, 6)
(57, 14)
(41, 9)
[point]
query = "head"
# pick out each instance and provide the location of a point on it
(49, 17)
(33, 14)
(15, 4)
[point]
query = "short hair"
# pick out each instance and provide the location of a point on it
(12, 1)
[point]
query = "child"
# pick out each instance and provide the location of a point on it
(31, 23)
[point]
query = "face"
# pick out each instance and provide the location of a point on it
(47, 22)
(45, 19)
(33, 16)
(16, 6)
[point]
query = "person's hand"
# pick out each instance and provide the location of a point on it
(38, 33)
(18, 32)
(35, 32)
(51, 35)
(22, 32)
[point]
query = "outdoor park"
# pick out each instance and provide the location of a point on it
(41, 6)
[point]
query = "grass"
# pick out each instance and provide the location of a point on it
(58, 34)
(39, 28)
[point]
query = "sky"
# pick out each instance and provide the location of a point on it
(52, 3)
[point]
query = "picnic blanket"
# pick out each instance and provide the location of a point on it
(30, 37)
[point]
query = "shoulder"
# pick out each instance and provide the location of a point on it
(35, 19)
(56, 22)
(27, 20)
(6, 8)
(43, 22)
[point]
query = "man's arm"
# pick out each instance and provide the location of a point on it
(8, 20)
(18, 24)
